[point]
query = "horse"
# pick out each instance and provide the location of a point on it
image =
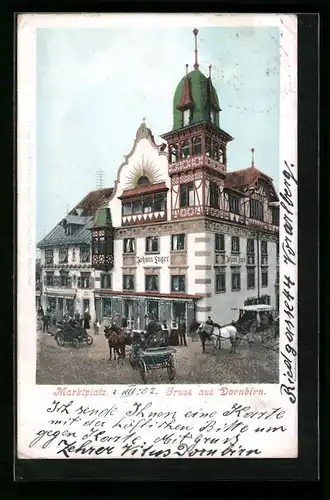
(117, 340)
(215, 333)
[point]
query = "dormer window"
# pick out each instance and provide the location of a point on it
(69, 230)
(186, 117)
(212, 115)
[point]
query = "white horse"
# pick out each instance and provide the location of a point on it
(215, 333)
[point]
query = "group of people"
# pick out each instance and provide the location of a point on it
(51, 317)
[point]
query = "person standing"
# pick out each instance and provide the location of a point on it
(182, 333)
(45, 321)
(87, 320)
(97, 327)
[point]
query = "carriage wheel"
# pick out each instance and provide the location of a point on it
(143, 370)
(89, 340)
(60, 339)
(75, 343)
(171, 367)
(132, 360)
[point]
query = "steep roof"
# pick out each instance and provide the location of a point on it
(89, 206)
(243, 178)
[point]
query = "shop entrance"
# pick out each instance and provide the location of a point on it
(128, 309)
(179, 311)
(152, 310)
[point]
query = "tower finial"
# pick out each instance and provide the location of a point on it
(210, 67)
(196, 65)
(187, 69)
(252, 163)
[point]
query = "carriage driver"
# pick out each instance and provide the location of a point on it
(210, 323)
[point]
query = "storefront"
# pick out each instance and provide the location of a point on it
(62, 301)
(140, 309)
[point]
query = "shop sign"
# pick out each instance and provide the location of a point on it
(234, 259)
(152, 260)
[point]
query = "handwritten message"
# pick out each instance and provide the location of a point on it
(289, 287)
(138, 427)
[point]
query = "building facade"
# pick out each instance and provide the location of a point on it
(179, 236)
(67, 276)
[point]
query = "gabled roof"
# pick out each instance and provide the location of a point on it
(88, 207)
(240, 180)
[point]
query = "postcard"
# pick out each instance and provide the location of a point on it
(157, 236)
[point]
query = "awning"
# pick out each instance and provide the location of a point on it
(59, 296)
(146, 296)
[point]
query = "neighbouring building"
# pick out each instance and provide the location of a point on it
(67, 276)
(179, 236)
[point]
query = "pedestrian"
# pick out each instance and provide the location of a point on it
(166, 333)
(209, 321)
(87, 320)
(45, 320)
(182, 333)
(124, 322)
(97, 327)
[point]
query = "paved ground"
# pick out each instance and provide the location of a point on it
(90, 365)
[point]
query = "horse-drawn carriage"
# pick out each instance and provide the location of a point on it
(257, 319)
(72, 334)
(148, 358)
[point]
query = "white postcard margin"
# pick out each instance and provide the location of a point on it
(191, 421)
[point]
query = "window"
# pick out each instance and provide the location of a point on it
(50, 279)
(256, 209)
(250, 252)
(64, 279)
(212, 115)
(127, 208)
(106, 281)
(63, 255)
(70, 230)
(235, 244)
(275, 217)
(208, 146)
(186, 117)
(84, 281)
(49, 257)
(214, 194)
(129, 245)
(235, 278)
(264, 253)
(128, 282)
(173, 153)
(137, 207)
(185, 148)
(220, 281)
(219, 242)
(159, 203)
(152, 244)
(153, 310)
(187, 195)
(152, 283)
(234, 204)
(197, 146)
(221, 156)
(85, 252)
(178, 242)
(264, 277)
(98, 247)
(147, 205)
(251, 277)
(215, 150)
(106, 306)
(178, 283)
(143, 181)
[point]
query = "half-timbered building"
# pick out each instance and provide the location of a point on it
(189, 237)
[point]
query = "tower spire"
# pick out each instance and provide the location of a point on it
(187, 65)
(210, 67)
(252, 162)
(196, 65)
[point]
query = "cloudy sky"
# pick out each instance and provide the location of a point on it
(94, 86)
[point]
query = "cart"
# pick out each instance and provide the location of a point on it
(73, 335)
(152, 358)
(258, 319)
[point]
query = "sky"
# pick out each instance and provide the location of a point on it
(94, 86)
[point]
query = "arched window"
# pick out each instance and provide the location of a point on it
(212, 115)
(186, 117)
(185, 148)
(143, 180)
(197, 146)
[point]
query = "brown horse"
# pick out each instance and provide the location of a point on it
(117, 340)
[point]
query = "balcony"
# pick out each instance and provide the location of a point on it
(178, 258)
(195, 161)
